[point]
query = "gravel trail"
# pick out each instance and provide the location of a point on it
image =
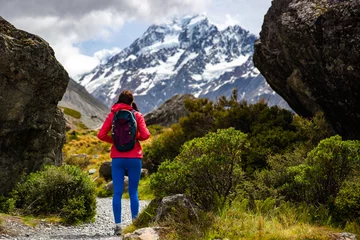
(102, 228)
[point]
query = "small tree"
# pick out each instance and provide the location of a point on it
(208, 168)
(65, 190)
(326, 168)
(347, 202)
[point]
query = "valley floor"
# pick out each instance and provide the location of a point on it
(102, 228)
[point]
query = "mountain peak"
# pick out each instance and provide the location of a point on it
(187, 55)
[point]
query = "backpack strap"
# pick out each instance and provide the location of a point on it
(133, 111)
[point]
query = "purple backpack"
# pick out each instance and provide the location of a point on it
(124, 130)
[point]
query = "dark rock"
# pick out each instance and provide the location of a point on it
(169, 112)
(32, 128)
(110, 185)
(144, 173)
(105, 171)
(309, 53)
(176, 204)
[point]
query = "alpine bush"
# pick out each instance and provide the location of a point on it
(327, 166)
(65, 191)
(207, 169)
(6, 204)
(169, 179)
(166, 146)
(347, 202)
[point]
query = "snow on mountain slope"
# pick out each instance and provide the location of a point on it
(186, 55)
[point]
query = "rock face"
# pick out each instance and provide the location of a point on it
(309, 53)
(32, 128)
(169, 112)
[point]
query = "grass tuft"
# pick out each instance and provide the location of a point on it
(71, 112)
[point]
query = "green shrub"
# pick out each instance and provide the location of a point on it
(166, 146)
(313, 130)
(7, 204)
(155, 129)
(270, 130)
(169, 179)
(347, 202)
(103, 193)
(277, 181)
(326, 168)
(213, 165)
(65, 191)
(207, 169)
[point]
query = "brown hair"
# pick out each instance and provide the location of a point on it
(134, 106)
(126, 97)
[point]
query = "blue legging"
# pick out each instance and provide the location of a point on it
(133, 165)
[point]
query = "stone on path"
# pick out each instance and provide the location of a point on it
(143, 234)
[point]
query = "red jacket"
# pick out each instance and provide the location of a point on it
(142, 133)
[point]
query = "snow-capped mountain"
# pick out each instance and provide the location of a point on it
(186, 55)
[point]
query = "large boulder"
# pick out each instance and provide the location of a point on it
(105, 170)
(309, 53)
(169, 112)
(32, 128)
(176, 205)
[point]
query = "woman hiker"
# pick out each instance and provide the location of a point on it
(122, 160)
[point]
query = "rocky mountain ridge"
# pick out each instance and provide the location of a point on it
(169, 112)
(187, 55)
(93, 112)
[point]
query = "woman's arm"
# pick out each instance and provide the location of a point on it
(143, 132)
(105, 129)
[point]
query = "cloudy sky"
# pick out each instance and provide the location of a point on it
(82, 32)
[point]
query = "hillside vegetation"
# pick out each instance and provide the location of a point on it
(255, 172)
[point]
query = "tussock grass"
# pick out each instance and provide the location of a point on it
(265, 221)
(238, 222)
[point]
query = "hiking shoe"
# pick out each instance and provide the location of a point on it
(117, 231)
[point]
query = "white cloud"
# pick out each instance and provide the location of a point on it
(105, 54)
(229, 21)
(249, 14)
(66, 23)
